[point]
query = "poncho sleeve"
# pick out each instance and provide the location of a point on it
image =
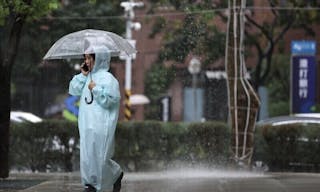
(76, 84)
(107, 93)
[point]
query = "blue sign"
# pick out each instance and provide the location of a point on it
(303, 47)
(303, 92)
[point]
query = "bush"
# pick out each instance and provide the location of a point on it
(149, 145)
(45, 145)
(156, 145)
(153, 145)
(293, 147)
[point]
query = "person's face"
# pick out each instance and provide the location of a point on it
(88, 59)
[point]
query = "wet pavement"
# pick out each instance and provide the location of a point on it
(179, 181)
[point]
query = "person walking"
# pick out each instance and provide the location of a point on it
(98, 115)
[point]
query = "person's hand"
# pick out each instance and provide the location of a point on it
(91, 85)
(83, 71)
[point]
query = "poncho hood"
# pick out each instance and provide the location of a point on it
(102, 57)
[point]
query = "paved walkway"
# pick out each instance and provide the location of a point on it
(183, 181)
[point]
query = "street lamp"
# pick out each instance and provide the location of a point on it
(129, 14)
(194, 68)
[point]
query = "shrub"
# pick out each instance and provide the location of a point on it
(39, 146)
(293, 147)
(148, 145)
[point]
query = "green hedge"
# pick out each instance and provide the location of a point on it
(34, 146)
(153, 145)
(148, 145)
(293, 147)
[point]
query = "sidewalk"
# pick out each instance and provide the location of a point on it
(182, 181)
(46, 182)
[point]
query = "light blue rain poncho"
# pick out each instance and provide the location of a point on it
(97, 123)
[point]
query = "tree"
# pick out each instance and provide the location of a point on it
(266, 34)
(193, 33)
(13, 16)
(243, 100)
(273, 32)
(157, 81)
(278, 84)
(262, 35)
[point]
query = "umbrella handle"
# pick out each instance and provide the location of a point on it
(91, 100)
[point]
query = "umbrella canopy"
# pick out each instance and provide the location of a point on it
(75, 44)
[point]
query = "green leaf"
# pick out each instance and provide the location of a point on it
(4, 11)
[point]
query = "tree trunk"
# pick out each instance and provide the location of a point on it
(8, 54)
(243, 101)
(4, 120)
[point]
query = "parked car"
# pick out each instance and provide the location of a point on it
(21, 116)
(296, 118)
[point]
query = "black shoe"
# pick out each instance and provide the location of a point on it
(89, 188)
(117, 184)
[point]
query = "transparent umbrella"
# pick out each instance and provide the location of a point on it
(75, 44)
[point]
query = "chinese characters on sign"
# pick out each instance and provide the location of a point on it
(303, 78)
(303, 87)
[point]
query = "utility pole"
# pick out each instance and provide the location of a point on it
(129, 15)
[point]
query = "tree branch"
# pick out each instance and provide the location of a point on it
(261, 28)
(272, 5)
(284, 30)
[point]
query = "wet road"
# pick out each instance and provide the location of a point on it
(188, 181)
(272, 182)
